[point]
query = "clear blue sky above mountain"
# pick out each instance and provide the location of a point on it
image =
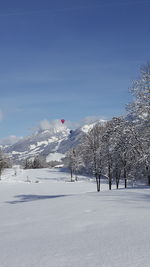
(68, 59)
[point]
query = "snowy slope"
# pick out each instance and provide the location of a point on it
(40, 143)
(55, 223)
(48, 143)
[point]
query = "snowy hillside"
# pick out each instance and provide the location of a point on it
(56, 223)
(52, 143)
(40, 143)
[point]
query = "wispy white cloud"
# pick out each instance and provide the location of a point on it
(50, 125)
(44, 125)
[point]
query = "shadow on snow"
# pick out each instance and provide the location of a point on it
(28, 198)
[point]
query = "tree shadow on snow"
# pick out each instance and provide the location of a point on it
(28, 198)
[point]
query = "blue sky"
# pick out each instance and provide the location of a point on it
(68, 59)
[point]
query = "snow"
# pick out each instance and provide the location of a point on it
(32, 147)
(87, 128)
(46, 142)
(18, 153)
(57, 223)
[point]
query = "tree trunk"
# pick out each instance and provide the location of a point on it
(109, 176)
(117, 184)
(71, 173)
(125, 178)
(148, 175)
(117, 175)
(117, 181)
(110, 183)
(98, 182)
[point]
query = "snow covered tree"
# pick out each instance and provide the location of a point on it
(28, 164)
(73, 161)
(92, 149)
(123, 150)
(77, 161)
(117, 151)
(139, 109)
(70, 161)
(139, 114)
(141, 149)
(38, 163)
(116, 168)
(108, 151)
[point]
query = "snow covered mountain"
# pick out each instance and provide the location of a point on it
(39, 143)
(52, 144)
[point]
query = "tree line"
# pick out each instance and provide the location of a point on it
(119, 149)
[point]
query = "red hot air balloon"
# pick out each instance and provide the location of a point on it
(62, 121)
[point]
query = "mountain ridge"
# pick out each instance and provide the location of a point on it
(52, 144)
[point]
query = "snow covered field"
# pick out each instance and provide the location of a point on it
(54, 223)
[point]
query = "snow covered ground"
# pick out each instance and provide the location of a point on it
(51, 222)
